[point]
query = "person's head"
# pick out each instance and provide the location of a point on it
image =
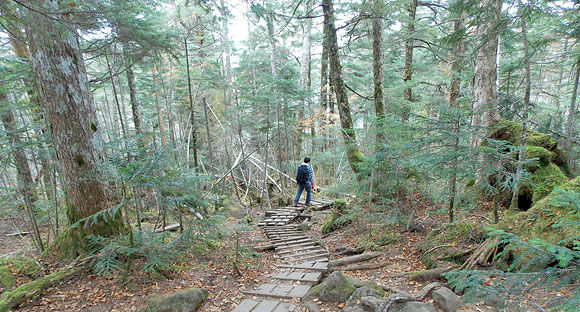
(306, 160)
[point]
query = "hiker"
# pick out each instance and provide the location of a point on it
(305, 180)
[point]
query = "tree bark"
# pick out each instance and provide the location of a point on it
(305, 65)
(354, 155)
(25, 180)
(66, 97)
(133, 93)
(485, 74)
(378, 71)
(526, 104)
(456, 68)
(192, 112)
(158, 106)
(408, 71)
(572, 111)
(324, 83)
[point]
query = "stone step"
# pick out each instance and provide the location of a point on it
(303, 277)
(250, 305)
(321, 266)
(276, 237)
(286, 291)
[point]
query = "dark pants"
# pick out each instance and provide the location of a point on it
(301, 187)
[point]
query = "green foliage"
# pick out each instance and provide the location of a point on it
(114, 253)
(6, 278)
(376, 239)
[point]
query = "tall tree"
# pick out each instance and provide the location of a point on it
(409, 47)
(485, 74)
(378, 68)
(66, 97)
(354, 155)
(572, 110)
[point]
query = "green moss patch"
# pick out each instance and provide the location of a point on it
(539, 220)
(6, 278)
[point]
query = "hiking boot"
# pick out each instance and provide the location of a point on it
(308, 204)
(295, 204)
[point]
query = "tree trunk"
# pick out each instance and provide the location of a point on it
(133, 93)
(25, 180)
(305, 64)
(209, 149)
(158, 106)
(228, 52)
(456, 68)
(66, 97)
(378, 71)
(572, 111)
(526, 104)
(192, 112)
(408, 71)
(324, 84)
(485, 73)
(354, 155)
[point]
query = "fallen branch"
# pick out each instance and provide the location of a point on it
(263, 247)
(17, 234)
(365, 266)
(16, 297)
(354, 259)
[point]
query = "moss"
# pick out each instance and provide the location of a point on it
(455, 234)
(94, 126)
(369, 284)
(339, 205)
(6, 278)
(543, 155)
(80, 160)
(545, 179)
(330, 224)
(17, 296)
(333, 222)
(538, 221)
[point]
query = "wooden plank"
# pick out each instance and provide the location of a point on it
(321, 266)
(299, 291)
(307, 253)
(285, 307)
(284, 252)
(266, 306)
(291, 238)
(290, 246)
(246, 306)
(303, 277)
(293, 242)
(315, 257)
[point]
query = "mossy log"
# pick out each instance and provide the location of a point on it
(6, 278)
(354, 259)
(16, 297)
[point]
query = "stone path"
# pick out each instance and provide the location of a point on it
(304, 263)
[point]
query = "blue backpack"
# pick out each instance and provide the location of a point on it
(302, 174)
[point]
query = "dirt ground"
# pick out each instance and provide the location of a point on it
(214, 271)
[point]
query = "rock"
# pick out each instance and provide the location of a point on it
(555, 301)
(336, 288)
(373, 303)
(446, 299)
(379, 292)
(310, 306)
(354, 309)
(304, 227)
(413, 306)
(359, 293)
(185, 300)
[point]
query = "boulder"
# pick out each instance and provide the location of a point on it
(378, 290)
(413, 306)
(446, 299)
(185, 300)
(310, 306)
(354, 309)
(336, 288)
(356, 296)
(373, 303)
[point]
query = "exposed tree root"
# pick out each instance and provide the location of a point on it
(402, 296)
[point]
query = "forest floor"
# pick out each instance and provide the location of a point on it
(214, 271)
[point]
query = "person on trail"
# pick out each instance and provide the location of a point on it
(305, 180)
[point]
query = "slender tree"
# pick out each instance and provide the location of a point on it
(354, 155)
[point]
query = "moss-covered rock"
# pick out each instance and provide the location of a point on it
(334, 221)
(545, 179)
(336, 288)
(377, 290)
(538, 221)
(185, 300)
(543, 155)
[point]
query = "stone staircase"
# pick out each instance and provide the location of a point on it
(304, 261)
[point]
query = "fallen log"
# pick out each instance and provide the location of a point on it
(170, 227)
(263, 247)
(354, 259)
(369, 266)
(427, 275)
(16, 297)
(17, 234)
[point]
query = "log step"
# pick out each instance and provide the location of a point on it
(284, 291)
(303, 277)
